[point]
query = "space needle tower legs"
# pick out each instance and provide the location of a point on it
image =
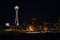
(16, 17)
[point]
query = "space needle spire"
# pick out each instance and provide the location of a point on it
(16, 16)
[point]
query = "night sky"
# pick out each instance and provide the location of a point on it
(43, 10)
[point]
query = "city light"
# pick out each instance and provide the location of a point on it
(7, 24)
(33, 27)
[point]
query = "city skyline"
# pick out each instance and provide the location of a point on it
(35, 19)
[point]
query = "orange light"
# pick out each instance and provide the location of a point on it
(45, 28)
(31, 28)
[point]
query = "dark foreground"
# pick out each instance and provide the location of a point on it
(26, 36)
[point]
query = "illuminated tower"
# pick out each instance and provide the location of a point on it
(16, 17)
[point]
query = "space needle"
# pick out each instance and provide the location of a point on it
(16, 16)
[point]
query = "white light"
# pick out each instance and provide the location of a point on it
(7, 24)
(16, 7)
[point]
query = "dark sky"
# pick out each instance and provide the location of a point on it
(43, 10)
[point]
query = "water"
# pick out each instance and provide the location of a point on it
(29, 36)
